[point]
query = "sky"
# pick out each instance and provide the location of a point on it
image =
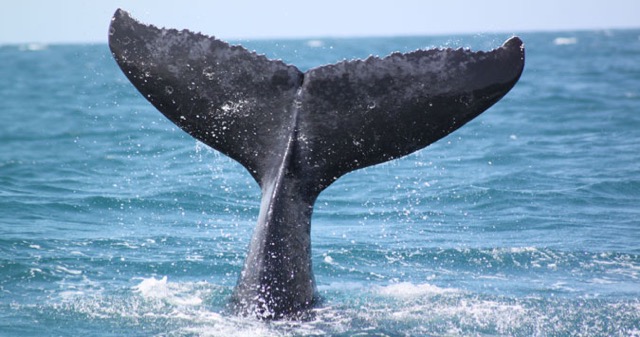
(80, 21)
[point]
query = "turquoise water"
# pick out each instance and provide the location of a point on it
(525, 222)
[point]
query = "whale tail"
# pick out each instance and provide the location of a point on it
(296, 132)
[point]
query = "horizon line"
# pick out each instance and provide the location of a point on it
(342, 37)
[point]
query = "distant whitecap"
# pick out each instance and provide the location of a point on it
(315, 43)
(563, 41)
(33, 47)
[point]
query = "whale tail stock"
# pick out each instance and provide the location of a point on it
(296, 133)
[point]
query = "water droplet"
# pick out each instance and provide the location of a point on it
(168, 90)
(112, 31)
(208, 73)
(173, 69)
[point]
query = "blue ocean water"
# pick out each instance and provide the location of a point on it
(525, 222)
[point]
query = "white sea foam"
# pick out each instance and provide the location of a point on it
(407, 305)
(71, 295)
(600, 280)
(195, 257)
(173, 293)
(68, 271)
(126, 245)
(328, 259)
(517, 250)
(341, 286)
(406, 289)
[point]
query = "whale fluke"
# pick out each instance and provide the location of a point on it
(296, 133)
